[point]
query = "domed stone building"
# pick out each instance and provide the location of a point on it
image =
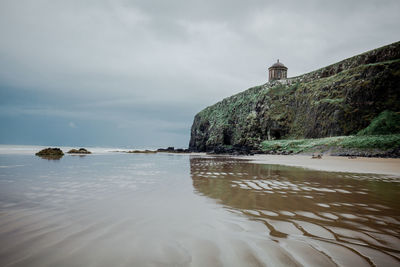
(278, 71)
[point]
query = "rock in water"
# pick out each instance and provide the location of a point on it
(79, 151)
(142, 151)
(50, 153)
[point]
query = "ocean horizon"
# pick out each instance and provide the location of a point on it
(32, 149)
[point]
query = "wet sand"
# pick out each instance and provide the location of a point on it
(315, 218)
(181, 210)
(389, 166)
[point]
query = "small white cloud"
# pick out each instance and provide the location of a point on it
(71, 124)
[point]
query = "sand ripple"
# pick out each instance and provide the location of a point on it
(152, 210)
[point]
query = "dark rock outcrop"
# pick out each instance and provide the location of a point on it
(340, 99)
(171, 149)
(79, 151)
(50, 153)
(142, 151)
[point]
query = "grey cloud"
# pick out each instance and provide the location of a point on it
(163, 61)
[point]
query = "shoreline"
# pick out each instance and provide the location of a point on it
(386, 166)
(373, 165)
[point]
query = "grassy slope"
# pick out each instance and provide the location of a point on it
(388, 122)
(361, 143)
(382, 134)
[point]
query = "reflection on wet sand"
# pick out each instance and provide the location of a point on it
(180, 210)
(313, 218)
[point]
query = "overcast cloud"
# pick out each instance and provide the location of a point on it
(134, 73)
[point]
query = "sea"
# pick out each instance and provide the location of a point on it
(118, 209)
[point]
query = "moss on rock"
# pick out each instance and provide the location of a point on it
(50, 153)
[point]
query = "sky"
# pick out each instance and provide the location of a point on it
(133, 73)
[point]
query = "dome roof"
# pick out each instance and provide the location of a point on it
(278, 65)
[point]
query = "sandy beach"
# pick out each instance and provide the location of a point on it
(388, 166)
(165, 209)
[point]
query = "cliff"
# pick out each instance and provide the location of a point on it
(340, 99)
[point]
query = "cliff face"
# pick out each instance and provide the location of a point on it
(340, 99)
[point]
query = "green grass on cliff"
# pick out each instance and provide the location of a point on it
(340, 99)
(388, 141)
(388, 122)
(383, 142)
(382, 133)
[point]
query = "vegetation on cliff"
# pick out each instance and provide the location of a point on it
(369, 145)
(388, 122)
(380, 138)
(338, 100)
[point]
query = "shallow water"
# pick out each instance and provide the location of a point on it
(115, 209)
